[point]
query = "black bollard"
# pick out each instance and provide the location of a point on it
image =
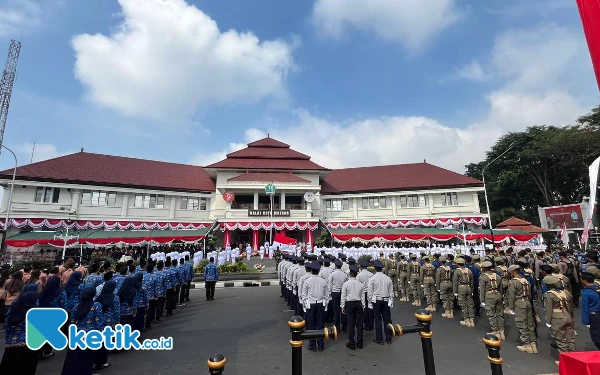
(424, 318)
(216, 364)
(297, 324)
(492, 343)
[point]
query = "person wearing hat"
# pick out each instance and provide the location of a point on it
(564, 280)
(559, 315)
(502, 271)
(519, 303)
(462, 285)
(306, 275)
(390, 269)
(324, 274)
(590, 306)
(402, 272)
(352, 305)
(443, 279)
(568, 268)
(314, 296)
(345, 264)
(414, 277)
(363, 276)
(380, 292)
(289, 281)
(427, 276)
(475, 267)
(334, 291)
(490, 293)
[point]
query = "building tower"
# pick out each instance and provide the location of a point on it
(6, 85)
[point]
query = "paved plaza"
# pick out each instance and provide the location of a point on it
(249, 326)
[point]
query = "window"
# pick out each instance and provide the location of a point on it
(149, 201)
(193, 203)
(337, 204)
(374, 203)
(47, 194)
(98, 198)
(449, 199)
(413, 201)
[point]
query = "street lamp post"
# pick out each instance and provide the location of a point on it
(485, 192)
(12, 185)
(65, 238)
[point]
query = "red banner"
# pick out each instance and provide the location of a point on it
(570, 216)
(589, 10)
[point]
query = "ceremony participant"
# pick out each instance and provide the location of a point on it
(414, 277)
(402, 272)
(490, 295)
(307, 273)
(162, 286)
(590, 307)
(334, 289)
(152, 287)
(171, 276)
(314, 296)
(298, 273)
(185, 276)
(559, 315)
(17, 357)
(10, 292)
(72, 288)
(262, 253)
(52, 296)
(564, 280)
(211, 276)
(427, 276)
(444, 287)
(390, 269)
(190, 276)
(179, 274)
(363, 276)
(118, 278)
(520, 306)
(87, 316)
(112, 315)
(353, 304)
(462, 285)
(380, 292)
(502, 272)
(140, 303)
(126, 299)
(248, 252)
(324, 274)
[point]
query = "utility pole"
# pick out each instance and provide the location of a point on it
(6, 84)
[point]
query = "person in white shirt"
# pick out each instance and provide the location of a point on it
(353, 304)
(261, 251)
(334, 289)
(380, 292)
(315, 302)
(248, 252)
(363, 276)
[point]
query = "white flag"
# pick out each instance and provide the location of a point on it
(593, 181)
(564, 236)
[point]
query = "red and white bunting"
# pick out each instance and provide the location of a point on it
(303, 225)
(406, 223)
(99, 224)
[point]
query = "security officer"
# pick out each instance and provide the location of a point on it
(315, 301)
(443, 279)
(473, 264)
(402, 272)
(334, 289)
(519, 303)
(462, 285)
(564, 280)
(352, 305)
(414, 275)
(427, 275)
(324, 274)
(502, 272)
(490, 293)
(380, 292)
(391, 271)
(559, 315)
(363, 276)
(306, 275)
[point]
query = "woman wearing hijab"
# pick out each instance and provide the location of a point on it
(29, 288)
(140, 303)
(111, 312)
(126, 297)
(10, 292)
(18, 358)
(87, 316)
(52, 296)
(72, 288)
(34, 278)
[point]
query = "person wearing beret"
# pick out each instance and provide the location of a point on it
(380, 292)
(519, 303)
(559, 315)
(314, 295)
(462, 285)
(414, 276)
(490, 293)
(352, 305)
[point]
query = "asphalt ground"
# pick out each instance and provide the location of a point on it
(249, 326)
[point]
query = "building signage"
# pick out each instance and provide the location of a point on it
(270, 189)
(571, 216)
(268, 212)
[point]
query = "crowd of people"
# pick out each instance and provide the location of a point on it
(94, 296)
(524, 284)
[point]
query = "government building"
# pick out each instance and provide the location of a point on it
(108, 200)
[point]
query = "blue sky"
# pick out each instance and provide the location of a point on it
(349, 82)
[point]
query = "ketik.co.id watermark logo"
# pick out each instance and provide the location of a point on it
(43, 326)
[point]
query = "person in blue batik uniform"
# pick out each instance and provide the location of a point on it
(184, 273)
(52, 296)
(120, 278)
(211, 276)
(140, 302)
(590, 307)
(87, 316)
(112, 314)
(94, 278)
(18, 358)
(161, 289)
(150, 286)
(190, 268)
(179, 276)
(73, 290)
(126, 297)
(171, 282)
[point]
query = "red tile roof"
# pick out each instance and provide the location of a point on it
(393, 177)
(519, 224)
(267, 153)
(107, 170)
(269, 177)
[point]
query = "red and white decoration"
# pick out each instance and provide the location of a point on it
(115, 241)
(280, 240)
(406, 223)
(498, 237)
(93, 224)
(268, 225)
(228, 196)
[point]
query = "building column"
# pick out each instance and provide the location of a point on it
(5, 199)
(476, 202)
(309, 237)
(430, 203)
(125, 205)
(172, 208)
(255, 242)
(282, 201)
(75, 199)
(226, 238)
(256, 200)
(354, 208)
(394, 207)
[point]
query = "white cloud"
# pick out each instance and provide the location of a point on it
(28, 152)
(410, 22)
(203, 159)
(537, 74)
(19, 16)
(167, 58)
(473, 71)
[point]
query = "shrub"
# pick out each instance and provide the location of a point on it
(200, 267)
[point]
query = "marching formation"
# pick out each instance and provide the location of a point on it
(324, 288)
(94, 297)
